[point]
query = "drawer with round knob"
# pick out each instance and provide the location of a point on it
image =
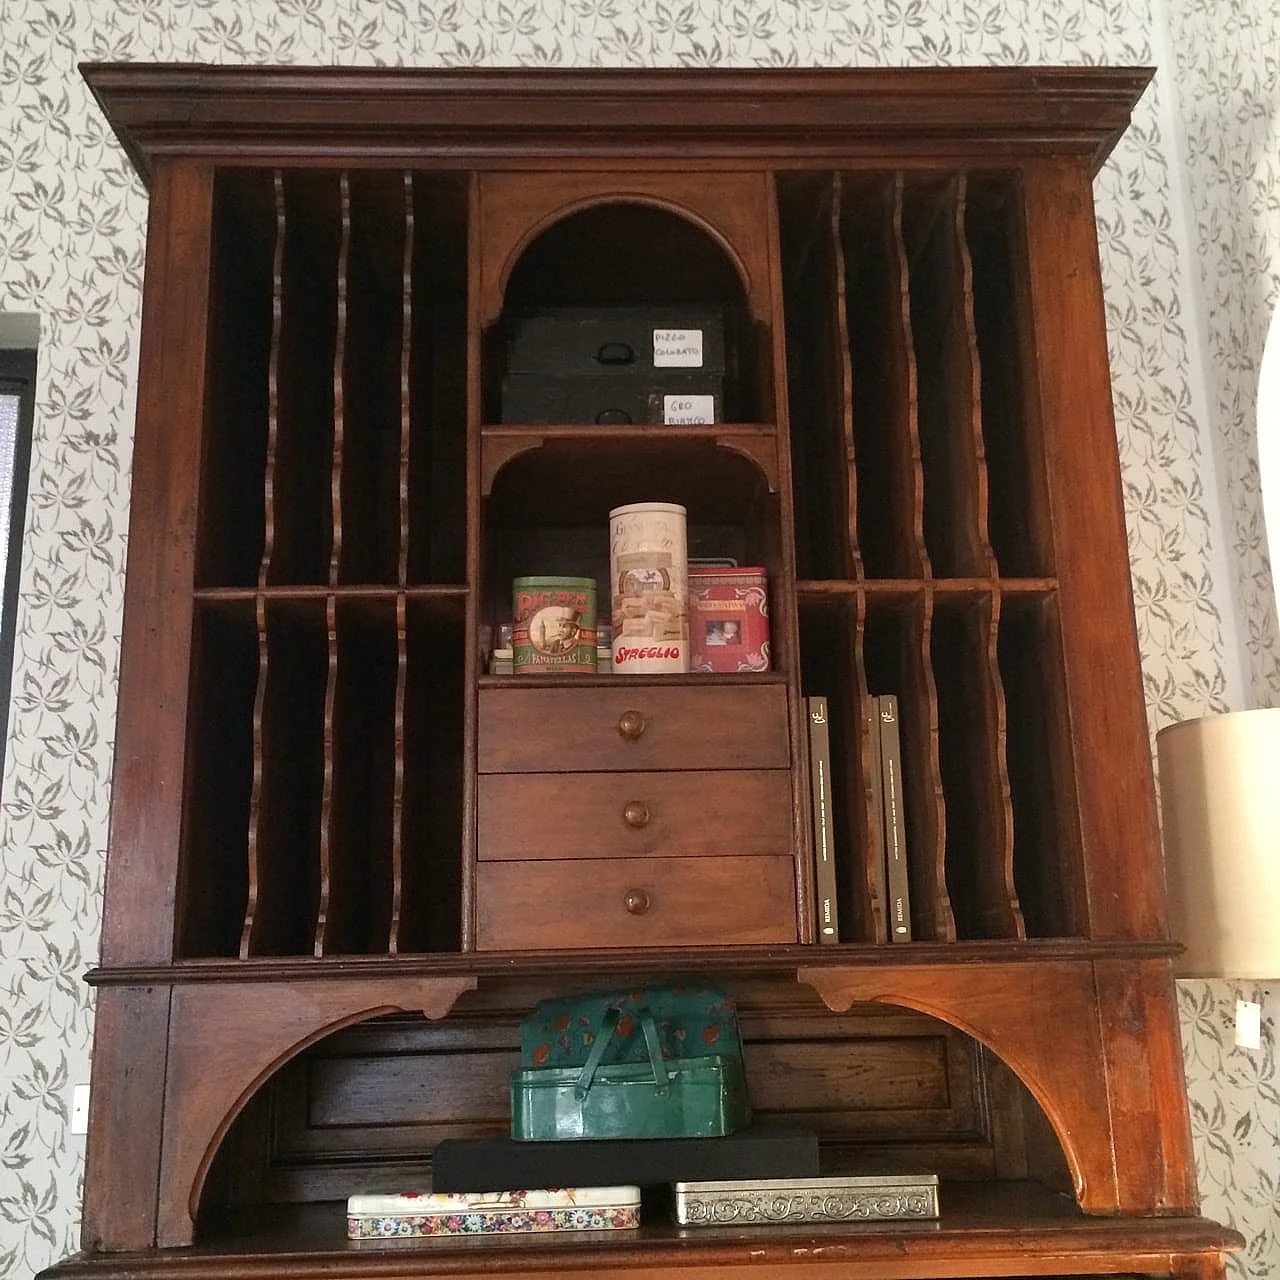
(626, 726)
(694, 813)
(646, 902)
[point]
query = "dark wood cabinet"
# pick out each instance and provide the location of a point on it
(345, 860)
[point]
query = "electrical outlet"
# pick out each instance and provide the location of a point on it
(80, 1108)
(1248, 1024)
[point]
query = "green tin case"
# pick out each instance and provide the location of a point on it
(663, 1063)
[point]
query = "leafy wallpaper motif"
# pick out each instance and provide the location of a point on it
(1227, 74)
(72, 220)
(1228, 78)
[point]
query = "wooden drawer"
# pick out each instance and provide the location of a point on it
(633, 726)
(648, 902)
(695, 813)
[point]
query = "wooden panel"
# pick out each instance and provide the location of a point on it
(125, 1109)
(1102, 668)
(623, 815)
(365, 1107)
(674, 902)
(684, 116)
(515, 207)
(686, 727)
(455, 1093)
(156, 635)
(1154, 1155)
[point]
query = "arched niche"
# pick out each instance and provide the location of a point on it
(886, 1088)
(638, 250)
(1042, 1022)
(548, 507)
(228, 1040)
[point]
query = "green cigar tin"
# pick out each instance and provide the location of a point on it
(554, 623)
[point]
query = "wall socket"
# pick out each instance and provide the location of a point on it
(1248, 1024)
(79, 1108)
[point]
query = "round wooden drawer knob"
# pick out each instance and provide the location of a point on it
(636, 901)
(636, 814)
(631, 724)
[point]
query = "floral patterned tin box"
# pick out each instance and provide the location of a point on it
(387, 1217)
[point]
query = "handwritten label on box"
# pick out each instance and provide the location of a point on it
(688, 411)
(677, 348)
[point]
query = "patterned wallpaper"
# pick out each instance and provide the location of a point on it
(72, 219)
(1227, 71)
(1227, 74)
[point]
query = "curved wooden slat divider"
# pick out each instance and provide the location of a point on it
(257, 798)
(322, 939)
(883, 391)
(905, 358)
(339, 376)
(979, 842)
(1003, 850)
(947, 383)
(844, 357)
(397, 786)
(406, 366)
(969, 369)
(225, 1041)
(1048, 859)
(322, 936)
(273, 379)
(931, 913)
(864, 782)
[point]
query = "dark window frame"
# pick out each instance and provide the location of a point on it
(17, 378)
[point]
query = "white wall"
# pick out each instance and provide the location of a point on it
(72, 220)
(1225, 67)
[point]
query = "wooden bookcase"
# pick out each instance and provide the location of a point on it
(344, 861)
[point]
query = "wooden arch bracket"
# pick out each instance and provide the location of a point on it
(1042, 1019)
(225, 1040)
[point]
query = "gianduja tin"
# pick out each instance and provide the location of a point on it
(648, 572)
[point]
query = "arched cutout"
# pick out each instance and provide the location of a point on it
(1055, 1002)
(252, 1090)
(634, 253)
(620, 220)
(211, 1079)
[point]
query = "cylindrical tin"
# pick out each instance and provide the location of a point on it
(554, 624)
(648, 570)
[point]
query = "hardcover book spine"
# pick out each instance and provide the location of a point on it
(823, 825)
(881, 908)
(895, 834)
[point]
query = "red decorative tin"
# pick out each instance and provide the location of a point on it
(729, 619)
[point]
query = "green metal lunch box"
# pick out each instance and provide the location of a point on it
(663, 1095)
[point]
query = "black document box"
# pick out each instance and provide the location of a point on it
(615, 365)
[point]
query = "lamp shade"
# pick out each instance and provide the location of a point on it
(1220, 795)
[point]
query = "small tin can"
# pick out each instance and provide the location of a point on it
(554, 624)
(768, 1201)
(648, 570)
(729, 619)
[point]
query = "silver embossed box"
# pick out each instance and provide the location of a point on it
(835, 1199)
